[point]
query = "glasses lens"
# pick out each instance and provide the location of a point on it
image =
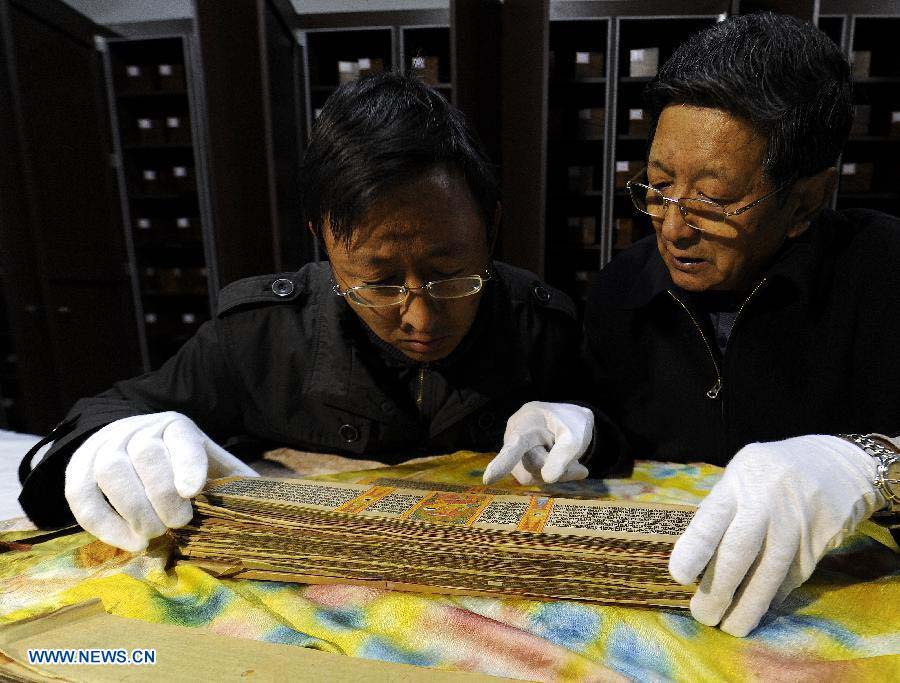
(647, 200)
(455, 288)
(705, 217)
(374, 296)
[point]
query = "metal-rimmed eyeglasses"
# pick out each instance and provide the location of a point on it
(379, 296)
(703, 215)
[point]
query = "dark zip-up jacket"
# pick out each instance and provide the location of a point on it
(287, 362)
(815, 347)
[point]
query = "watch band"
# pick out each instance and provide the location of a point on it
(886, 454)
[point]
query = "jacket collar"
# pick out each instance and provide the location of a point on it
(798, 263)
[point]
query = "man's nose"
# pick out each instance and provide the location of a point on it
(419, 311)
(674, 228)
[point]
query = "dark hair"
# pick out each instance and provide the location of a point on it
(378, 133)
(782, 75)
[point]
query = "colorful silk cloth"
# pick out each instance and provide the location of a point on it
(843, 624)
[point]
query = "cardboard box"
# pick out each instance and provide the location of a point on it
(895, 124)
(589, 65)
(151, 181)
(643, 62)
(188, 229)
(171, 77)
(583, 229)
(861, 62)
(426, 68)
(625, 171)
(134, 79)
(591, 124)
(182, 179)
(857, 176)
(150, 131)
(862, 118)
(370, 65)
(183, 654)
(623, 233)
(581, 179)
(638, 122)
(347, 72)
(178, 130)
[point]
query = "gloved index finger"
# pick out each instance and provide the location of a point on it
(695, 548)
(510, 455)
(187, 451)
(567, 449)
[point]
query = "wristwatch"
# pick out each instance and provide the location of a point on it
(887, 475)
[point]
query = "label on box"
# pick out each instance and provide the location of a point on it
(133, 71)
(165, 69)
(636, 114)
(637, 55)
(145, 124)
(180, 171)
(173, 122)
(183, 222)
(623, 166)
(150, 318)
(347, 67)
(895, 117)
(144, 223)
(582, 57)
(149, 174)
(848, 169)
(365, 63)
(418, 63)
(188, 318)
(585, 114)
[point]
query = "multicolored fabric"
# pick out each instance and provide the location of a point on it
(841, 625)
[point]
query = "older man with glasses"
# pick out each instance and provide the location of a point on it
(409, 340)
(755, 329)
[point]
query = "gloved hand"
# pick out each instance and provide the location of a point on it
(148, 467)
(543, 441)
(779, 507)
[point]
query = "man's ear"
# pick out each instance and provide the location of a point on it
(495, 230)
(810, 196)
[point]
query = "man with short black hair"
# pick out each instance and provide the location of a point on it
(755, 328)
(411, 340)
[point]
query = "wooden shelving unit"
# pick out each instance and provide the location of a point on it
(870, 165)
(161, 188)
(597, 131)
(345, 46)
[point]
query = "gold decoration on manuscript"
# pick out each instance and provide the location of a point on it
(437, 538)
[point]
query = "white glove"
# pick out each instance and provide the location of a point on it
(148, 467)
(779, 507)
(543, 441)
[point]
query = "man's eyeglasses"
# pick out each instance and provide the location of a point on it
(377, 296)
(701, 214)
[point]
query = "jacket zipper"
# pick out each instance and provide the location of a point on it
(716, 389)
(420, 392)
(712, 392)
(741, 309)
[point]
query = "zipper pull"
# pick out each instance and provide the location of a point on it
(714, 392)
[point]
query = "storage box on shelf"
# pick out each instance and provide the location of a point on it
(340, 56)
(425, 52)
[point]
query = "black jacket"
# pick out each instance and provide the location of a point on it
(287, 362)
(814, 349)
